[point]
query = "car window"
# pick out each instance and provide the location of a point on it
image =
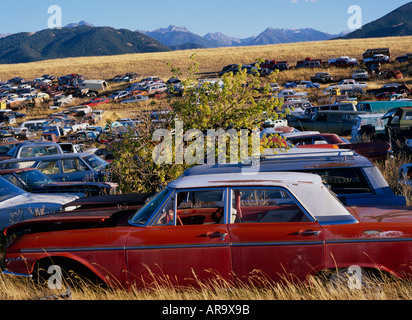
(35, 151)
(73, 165)
(14, 180)
(49, 166)
(344, 180)
(264, 205)
(17, 165)
(193, 208)
(142, 216)
(33, 178)
(95, 162)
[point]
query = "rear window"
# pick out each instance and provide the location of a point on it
(8, 190)
(344, 180)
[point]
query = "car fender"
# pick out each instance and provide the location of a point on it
(56, 258)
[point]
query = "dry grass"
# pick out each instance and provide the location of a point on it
(210, 60)
(216, 289)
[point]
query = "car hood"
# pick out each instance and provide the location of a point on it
(382, 213)
(35, 199)
(28, 205)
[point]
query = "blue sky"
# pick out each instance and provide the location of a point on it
(236, 18)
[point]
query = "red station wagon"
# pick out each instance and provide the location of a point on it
(227, 224)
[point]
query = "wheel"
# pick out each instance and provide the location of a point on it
(64, 272)
(354, 277)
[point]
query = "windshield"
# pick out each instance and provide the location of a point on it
(8, 190)
(143, 214)
(34, 178)
(95, 162)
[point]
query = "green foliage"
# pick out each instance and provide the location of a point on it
(237, 104)
(237, 101)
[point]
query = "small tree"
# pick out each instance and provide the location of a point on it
(238, 101)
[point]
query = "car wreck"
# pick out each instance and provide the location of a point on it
(217, 224)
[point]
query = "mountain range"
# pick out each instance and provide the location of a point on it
(175, 36)
(74, 42)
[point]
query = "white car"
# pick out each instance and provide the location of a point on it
(289, 93)
(360, 74)
(17, 205)
(136, 98)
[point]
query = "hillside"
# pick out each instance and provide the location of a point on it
(274, 36)
(395, 23)
(74, 42)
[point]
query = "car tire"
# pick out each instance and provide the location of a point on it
(73, 273)
(354, 277)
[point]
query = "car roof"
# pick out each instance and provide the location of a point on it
(49, 157)
(279, 164)
(234, 179)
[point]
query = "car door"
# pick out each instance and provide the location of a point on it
(187, 241)
(272, 236)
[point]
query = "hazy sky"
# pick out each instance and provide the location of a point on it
(236, 18)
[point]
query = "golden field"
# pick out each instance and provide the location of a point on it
(210, 60)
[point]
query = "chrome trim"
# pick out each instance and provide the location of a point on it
(15, 274)
(174, 246)
(38, 250)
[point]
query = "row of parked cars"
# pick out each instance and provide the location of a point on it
(324, 200)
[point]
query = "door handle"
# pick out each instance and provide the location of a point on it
(308, 232)
(215, 235)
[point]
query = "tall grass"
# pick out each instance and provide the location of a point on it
(216, 289)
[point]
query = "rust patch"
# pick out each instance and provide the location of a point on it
(379, 218)
(246, 181)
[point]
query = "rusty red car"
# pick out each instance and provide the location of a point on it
(374, 150)
(218, 224)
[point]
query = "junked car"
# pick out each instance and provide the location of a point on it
(374, 150)
(17, 204)
(33, 180)
(64, 167)
(32, 149)
(217, 225)
(352, 177)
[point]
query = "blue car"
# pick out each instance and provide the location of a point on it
(302, 85)
(64, 167)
